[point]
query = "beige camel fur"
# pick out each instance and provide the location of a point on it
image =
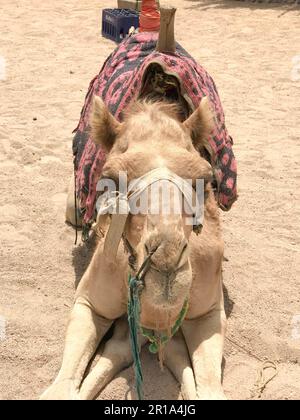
(152, 136)
(184, 265)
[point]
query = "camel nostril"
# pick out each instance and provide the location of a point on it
(150, 250)
(146, 249)
(184, 246)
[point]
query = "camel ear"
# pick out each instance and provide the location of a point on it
(200, 124)
(104, 125)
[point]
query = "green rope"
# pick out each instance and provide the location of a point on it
(134, 325)
(157, 341)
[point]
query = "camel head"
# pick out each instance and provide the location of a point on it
(152, 136)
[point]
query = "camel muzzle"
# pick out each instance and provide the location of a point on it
(118, 205)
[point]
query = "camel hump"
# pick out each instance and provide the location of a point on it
(166, 40)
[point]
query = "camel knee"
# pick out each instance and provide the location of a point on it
(118, 347)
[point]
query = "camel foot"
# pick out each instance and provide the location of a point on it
(62, 390)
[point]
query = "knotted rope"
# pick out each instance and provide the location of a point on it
(158, 341)
(262, 380)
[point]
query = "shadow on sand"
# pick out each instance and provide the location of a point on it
(81, 257)
(283, 5)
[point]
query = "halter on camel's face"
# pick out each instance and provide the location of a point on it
(153, 145)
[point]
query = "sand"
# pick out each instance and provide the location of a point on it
(52, 50)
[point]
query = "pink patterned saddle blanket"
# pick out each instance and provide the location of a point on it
(118, 83)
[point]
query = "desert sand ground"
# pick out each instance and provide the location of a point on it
(52, 51)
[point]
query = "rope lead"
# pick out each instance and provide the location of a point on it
(156, 341)
(134, 325)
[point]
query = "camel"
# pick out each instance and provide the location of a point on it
(184, 264)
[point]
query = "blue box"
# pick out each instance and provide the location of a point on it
(117, 22)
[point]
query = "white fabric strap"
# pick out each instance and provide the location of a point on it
(118, 205)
